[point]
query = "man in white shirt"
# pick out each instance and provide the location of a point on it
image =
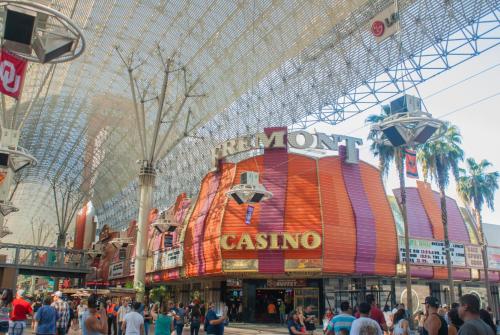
(122, 311)
(364, 325)
(133, 322)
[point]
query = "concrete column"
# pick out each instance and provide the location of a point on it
(147, 178)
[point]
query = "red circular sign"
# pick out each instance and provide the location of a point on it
(378, 28)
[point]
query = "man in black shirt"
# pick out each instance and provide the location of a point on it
(309, 320)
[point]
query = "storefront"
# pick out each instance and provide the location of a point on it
(329, 233)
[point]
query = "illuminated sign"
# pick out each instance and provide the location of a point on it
(271, 241)
(296, 139)
(432, 253)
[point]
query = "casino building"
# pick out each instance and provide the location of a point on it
(330, 233)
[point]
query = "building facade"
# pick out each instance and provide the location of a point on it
(329, 233)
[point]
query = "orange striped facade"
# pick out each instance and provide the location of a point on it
(316, 201)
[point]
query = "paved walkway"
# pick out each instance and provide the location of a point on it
(232, 329)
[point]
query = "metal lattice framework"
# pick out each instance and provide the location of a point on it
(260, 63)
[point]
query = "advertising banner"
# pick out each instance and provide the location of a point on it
(115, 270)
(432, 253)
(473, 256)
(493, 258)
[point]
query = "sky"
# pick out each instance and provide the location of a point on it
(473, 105)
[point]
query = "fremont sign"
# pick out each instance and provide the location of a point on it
(296, 139)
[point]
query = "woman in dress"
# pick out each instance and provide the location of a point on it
(5, 309)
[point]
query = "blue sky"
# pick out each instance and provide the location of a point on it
(473, 105)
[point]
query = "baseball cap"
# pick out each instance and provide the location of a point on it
(432, 301)
(57, 294)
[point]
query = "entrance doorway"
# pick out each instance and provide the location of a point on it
(267, 304)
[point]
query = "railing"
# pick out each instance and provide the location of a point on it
(43, 258)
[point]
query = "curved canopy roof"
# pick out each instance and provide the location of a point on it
(250, 64)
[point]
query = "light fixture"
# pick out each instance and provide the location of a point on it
(407, 125)
(121, 242)
(6, 207)
(31, 26)
(249, 191)
(165, 223)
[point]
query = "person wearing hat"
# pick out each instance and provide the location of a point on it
(21, 309)
(469, 312)
(62, 309)
(434, 324)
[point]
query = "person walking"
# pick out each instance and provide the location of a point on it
(46, 318)
(282, 310)
(122, 311)
(485, 315)
(21, 309)
(364, 324)
(343, 321)
(434, 324)
(195, 320)
(214, 325)
(35, 306)
(133, 324)
(469, 313)
(375, 312)
(62, 309)
(94, 321)
(164, 322)
(180, 313)
(148, 319)
(80, 310)
(401, 324)
(5, 310)
(111, 311)
(71, 319)
(310, 320)
(455, 321)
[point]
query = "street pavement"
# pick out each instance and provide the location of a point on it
(234, 329)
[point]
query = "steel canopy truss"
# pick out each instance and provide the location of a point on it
(343, 73)
(275, 63)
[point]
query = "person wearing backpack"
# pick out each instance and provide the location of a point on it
(195, 320)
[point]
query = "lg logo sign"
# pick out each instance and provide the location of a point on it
(384, 24)
(12, 70)
(378, 28)
(10, 80)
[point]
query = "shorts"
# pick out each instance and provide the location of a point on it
(4, 327)
(16, 327)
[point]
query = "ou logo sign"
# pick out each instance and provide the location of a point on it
(10, 81)
(12, 70)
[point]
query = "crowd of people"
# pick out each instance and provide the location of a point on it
(463, 318)
(52, 315)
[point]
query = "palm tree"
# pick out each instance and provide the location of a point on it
(386, 154)
(437, 159)
(476, 186)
